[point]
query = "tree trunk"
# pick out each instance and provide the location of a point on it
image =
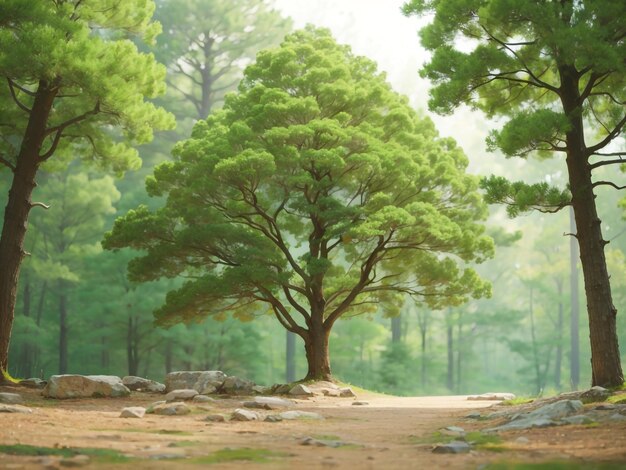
(25, 362)
(290, 357)
(574, 363)
(450, 375)
(396, 329)
(62, 329)
(16, 213)
(168, 356)
(605, 358)
(459, 355)
(559, 337)
(316, 348)
(132, 346)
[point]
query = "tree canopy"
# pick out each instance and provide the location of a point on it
(554, 71)
(316, 191)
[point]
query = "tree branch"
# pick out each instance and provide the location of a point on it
(607, 183)
(7, 163)
(607, 140)
(608, 162)
(61, 127)
(20, 105)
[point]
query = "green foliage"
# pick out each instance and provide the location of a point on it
(100, 455)
(314, 176)
(396, 362)
(100, 81)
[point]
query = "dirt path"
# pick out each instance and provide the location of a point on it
(388, 433)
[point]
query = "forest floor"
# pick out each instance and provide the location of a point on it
(387, 433)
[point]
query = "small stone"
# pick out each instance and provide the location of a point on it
(172, 409)
(11, 398)
(595, 394)
(151, 406)
(309, 441)
(182, 394)
(522, 440)
(605, 407)
(360, 403)
(473, 415)
(301, 391)
(133, 412)
(269, 403)
(202, 399)
(237, 386)
(617, 417)
(215, 418)
(139, 384)
(273, 419)
(244, 415)
(34, 382)
(262, 390)
(454, 447)
(499, 396)
(453, 431)
(346, 393)
(14, 409)
(296, 414)
(330, 392)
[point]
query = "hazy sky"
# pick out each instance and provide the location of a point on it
(378, 30)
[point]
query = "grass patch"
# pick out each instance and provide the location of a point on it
(554, 466)
(184, 444)
(518, 401)
(242, 454)
(326, 437)
(99, 455)
(477, 439)
(619, 399)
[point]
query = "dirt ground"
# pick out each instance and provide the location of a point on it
(387, 433)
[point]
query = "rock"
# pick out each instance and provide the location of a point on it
(152, 406)
(454, 447)
(360, 403)
(346, 393)
(578, 419)
(273, 419)
(215, 418)
(301, 391)
(14, 409)
(281, 389)
(522, 440)
(85, 386)
(617, 417)
(473, 415)
(453, 431)
(11, 398)
(262, 390)
(236, 386)
(183, 394)
(133, 412)
(543, 416)
(309, 441)
(244, 415)
(330, 392)
(139, 384)
(203, 382)
(500, 396)
(605, 407)
(297, 414)
(269, 403)
(33, 382)
(177, 408)
(595, 394)
(202, 399)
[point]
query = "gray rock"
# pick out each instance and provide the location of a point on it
(542, 416)
(499, 396)
(524, 424)
(183, 394)
(605, 407)
(269, 403)
(244, 415)
(139, 384)
(346, 393)
(595, 394)
(617, 417)
(281, 389)
(360, 403)
(203, 382)
(454, 447)
(202, 399)
(309, 441)
(237, 386)
(11, 398)
(301, 391)
(133, 412)
(177, 408)
(150, 408)
(453, 431)
(14, 409)
(578, 419)
(273, 419)
(297, 414)
(262, 390)
(81, 386)
(33, 382)
(473, 415)
(215, 418)
(522, 440)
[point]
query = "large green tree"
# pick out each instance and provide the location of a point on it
(69, 80)
(555, 71)
(317, 192)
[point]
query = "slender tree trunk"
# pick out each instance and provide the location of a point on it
(316, 348)
(459, 355)
(605, 357)
(450, 343)
(396, 329)
(168, 356)
(531, 312)
(132, 346)
(290, 357)
(575, 308)
(25, 362)
(16, 213)
(422, 321)
(62, 328)
(559, 337)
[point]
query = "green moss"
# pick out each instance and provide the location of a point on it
(518, 401)
(618, 399)
(554, 466)
(99, 455)
(241, 454)
(6, 377)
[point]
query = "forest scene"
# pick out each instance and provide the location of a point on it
(375, 234)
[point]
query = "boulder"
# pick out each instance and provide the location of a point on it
(269, 403)
(273, 419)
(140, 384)
(11, 398)
(133, 412)
(578, 419)
(244, 415)
(177, 408)
(262, 390)
(499, 396)
(14, 409)
(543, 416)
(215, 418)
(301, 391)
(595, 394)
(346, 392)
(152, 406)
(203, 382)
(296, 414)
(236, 386)
(183, 394)
(454, 447)
(85, 386)
(309, 441)
(202, 399)
(281, 389)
